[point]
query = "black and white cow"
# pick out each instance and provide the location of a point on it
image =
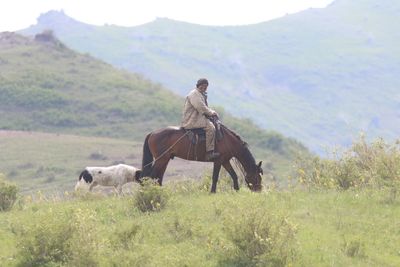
(116, 175)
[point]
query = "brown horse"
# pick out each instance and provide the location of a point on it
(164, 144)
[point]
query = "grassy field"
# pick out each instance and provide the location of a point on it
(311, 228)
(342, 212)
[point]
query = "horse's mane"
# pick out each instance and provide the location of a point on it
(248, 156)
(234, 134)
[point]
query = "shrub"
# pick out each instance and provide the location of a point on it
(375, 165)
(45, 242)
(258, 239)
(150, 197)
(8, 194)
(57, 238)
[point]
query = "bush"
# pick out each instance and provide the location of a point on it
(258, 239)
(151, 197)
(58, 238)
(375, 165)
(8, 194)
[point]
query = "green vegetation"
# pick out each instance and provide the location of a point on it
(8, 194)
(311, 223)
(150, 197)
(272, 228)
(48, 87)
(363, 165)
(58, 237)
(259, 237)
(320, 76)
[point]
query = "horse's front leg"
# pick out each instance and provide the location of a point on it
(159, 169)
(217, 168)
(161, 174)
(228, 167)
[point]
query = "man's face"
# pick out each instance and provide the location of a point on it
(203, 87)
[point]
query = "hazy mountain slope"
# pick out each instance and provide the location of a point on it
(45, 86)
(321, 75)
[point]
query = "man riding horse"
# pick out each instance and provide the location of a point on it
(162, 145)
(196, 114)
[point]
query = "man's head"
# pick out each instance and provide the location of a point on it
(202, 84)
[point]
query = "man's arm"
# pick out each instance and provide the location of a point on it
(198, 103)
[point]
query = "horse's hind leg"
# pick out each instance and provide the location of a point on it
(216, 169)
(228, 167)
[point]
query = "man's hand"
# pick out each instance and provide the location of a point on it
(214, 113)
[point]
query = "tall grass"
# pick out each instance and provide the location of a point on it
(273, 228)
(259, 238)
(364, 164)
(8, 194)
(57, 237)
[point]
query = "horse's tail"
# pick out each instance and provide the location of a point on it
(147, 160)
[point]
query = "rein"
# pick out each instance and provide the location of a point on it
(168, 149)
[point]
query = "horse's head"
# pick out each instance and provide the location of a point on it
(253, 178)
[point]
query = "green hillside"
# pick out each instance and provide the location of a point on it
(321, 76)
(46, 87)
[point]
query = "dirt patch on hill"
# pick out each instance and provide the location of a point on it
(9, 133)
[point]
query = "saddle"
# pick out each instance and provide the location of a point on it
(197, 135)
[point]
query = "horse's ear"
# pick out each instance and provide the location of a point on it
(259, 167)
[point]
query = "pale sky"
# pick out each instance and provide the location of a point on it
(19, 14)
